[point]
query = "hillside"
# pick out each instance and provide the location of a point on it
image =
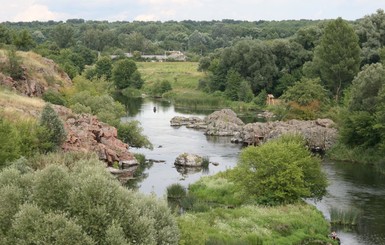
(38, 74)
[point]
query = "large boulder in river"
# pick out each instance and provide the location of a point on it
(223, 123)
(188, 160)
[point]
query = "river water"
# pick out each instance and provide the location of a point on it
(350, 185)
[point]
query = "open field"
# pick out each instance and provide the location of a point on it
(183, 76)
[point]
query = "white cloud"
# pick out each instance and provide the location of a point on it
(37, 12)
(146, 17)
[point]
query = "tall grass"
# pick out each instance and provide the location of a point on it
(344, 216)
(290, 224)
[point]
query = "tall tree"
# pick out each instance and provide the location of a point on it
(338, 56)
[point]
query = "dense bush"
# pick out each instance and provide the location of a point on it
(9, 142)
(130, 132)
(54, 128)
(77, 202)
(286, 176)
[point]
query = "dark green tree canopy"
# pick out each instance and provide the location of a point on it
(338, 56)
(125, 74)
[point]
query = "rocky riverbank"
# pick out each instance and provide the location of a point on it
(85, 133)
(319, 134)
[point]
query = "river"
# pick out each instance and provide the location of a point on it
(350, 185)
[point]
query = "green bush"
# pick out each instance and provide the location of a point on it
(74, 200)
(131, 133)
(286, 176)
(55, 132)
(9, 142)
(54, 97)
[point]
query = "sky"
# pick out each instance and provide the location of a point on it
(165, 10)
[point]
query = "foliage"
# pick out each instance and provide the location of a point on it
(306, 98)
(372, 38)
(78, 202)
(131, 133)
(9, 142)
(286, 176)
(176, 191)
(160, 87)
(13, 66)
(55, 132)
(363, 123)
(103, 67)
(54, 97)
(289, 224)
(216, 190)
(125, 74)
(338, 56)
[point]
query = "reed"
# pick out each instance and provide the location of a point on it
(344, 216)
(176, 191)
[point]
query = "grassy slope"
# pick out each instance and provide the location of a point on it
(14, 106)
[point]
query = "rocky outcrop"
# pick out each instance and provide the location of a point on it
(189, 122)
(85, 133)
(319, 134)
(188, 160)
(223, 123)
(38, 74)
(25, 86)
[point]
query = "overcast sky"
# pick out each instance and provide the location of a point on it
(163, 10)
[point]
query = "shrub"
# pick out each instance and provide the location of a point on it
(9, 142)
(75, 201)
(286, 176)
(131, 133)
(54, 97)
(55, 131)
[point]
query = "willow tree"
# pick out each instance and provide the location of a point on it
(337, 57)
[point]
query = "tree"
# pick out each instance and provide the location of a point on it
(125, 74)
(363, 123)
(338, 56)
(286, 176)
(371, 35)
(103, 67)
(63, 35)
(233, 82)
(23, 40)
(55, 131)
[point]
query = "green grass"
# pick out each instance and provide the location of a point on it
(183, 76)
(290, 224)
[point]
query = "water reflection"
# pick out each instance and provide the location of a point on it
(359, 187)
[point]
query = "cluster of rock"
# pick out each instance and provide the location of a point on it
(85, 133)
(319, 134)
